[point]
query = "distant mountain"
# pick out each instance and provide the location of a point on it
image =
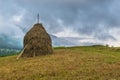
(70, 41)
(9, 42)
(58, 41)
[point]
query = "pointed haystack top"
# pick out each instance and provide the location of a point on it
(37, 42)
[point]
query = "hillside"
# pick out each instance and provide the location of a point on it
(74, 63)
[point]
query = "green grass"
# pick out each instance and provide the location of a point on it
(67, 63)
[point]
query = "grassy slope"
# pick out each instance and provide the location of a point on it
(77, 63)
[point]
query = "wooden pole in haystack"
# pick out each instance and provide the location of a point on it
(38, 18)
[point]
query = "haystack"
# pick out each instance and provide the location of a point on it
(37, 42)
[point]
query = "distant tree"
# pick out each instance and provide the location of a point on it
(112, 46)
(107, 45)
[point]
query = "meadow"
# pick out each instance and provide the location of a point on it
(66, 63)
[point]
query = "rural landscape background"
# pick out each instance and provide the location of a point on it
(85, 39)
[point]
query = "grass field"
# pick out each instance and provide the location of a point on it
(74, 63)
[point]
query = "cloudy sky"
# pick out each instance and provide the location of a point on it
(97, 21)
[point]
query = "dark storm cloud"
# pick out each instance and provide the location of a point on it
(88, 13)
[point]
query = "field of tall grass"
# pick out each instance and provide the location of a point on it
(67, 63)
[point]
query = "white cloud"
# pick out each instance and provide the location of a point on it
(17, 18)
(115, 32)
(67, 32)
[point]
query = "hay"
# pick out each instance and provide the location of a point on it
(38, 42)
